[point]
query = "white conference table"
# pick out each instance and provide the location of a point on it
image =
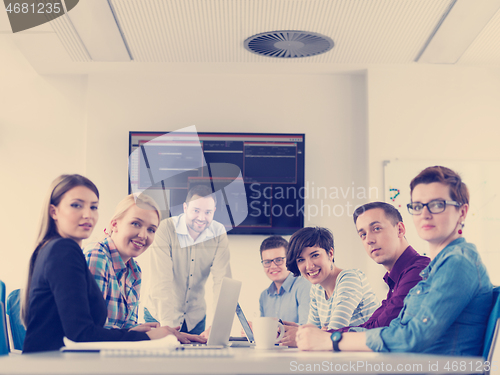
(244, 361)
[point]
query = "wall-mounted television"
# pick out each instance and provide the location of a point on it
(258, 178)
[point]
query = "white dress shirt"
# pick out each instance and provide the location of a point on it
(179, 270)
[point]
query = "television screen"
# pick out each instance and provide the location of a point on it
(258, 178)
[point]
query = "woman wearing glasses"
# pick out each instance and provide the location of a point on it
(446, 312)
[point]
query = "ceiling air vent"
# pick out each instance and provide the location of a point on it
(288, 44)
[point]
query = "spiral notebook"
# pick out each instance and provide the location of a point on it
(165, 343)
(165, 347)
(177, 352)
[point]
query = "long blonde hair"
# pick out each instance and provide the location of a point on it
(140, 200)
(48, 229)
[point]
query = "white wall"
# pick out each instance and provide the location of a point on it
(330, 110)
(456, 106)
(435, 113)
(42, 134)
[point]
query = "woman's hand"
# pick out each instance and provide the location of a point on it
(310, 337)
(160, 332)
(146, 327)
(290, 332)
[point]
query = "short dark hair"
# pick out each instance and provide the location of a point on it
(307, 237)
(458, 190)
(273, 242)
(201, 191)
(391, 213)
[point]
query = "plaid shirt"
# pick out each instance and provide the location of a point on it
(120, 283)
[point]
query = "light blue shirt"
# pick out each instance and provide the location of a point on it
(445, 313)
(290, 303)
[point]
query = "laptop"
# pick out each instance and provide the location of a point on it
(223, 315)
(248, 339)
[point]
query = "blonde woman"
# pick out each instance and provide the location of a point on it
(62, 297)
(130, 232)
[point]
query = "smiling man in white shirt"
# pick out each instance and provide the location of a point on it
(186, 249)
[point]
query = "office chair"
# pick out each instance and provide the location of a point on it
(17, 330)
(492, 328)
(2, 292)
(4, 341)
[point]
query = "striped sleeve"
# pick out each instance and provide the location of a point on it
(313, 307)
(348, 296)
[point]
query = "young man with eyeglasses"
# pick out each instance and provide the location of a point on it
(287, 298)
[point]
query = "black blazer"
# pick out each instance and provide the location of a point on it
(65, 300)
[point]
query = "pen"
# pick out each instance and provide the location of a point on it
(281, 321)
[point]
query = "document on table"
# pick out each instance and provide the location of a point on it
(166, 343)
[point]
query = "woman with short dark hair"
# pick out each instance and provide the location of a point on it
(338, 297)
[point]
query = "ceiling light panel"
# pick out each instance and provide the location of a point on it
(191, 31)
(486, 47)
(456, 33)
(70, 39)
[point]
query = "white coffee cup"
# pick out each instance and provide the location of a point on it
(264, 330)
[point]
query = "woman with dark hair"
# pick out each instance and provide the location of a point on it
(446, 312)
(62, 297)
(338, 297)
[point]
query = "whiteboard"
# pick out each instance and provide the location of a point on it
(482, 224)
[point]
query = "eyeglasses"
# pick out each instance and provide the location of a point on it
(435, 207)
(278, 261)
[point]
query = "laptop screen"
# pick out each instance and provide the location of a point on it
(244, 323)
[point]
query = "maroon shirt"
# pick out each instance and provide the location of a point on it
(404, 276)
